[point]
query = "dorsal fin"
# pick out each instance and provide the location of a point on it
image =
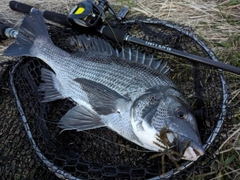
(142, 58)
(84, 42)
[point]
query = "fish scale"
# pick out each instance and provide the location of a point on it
(113, 75)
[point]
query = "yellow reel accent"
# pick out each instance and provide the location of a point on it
(80, 10)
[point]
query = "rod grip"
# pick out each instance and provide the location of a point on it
(17, 6)
(57, 18)
(113, 33)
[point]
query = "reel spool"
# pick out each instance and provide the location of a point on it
(89, 13)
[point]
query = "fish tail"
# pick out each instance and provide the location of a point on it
(32, 33)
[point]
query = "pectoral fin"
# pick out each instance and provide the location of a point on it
(103, 99)
(80, 118)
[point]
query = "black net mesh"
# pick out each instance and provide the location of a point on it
(33, 147)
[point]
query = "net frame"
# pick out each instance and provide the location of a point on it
(222, 117)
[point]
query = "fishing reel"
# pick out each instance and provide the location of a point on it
(90, 12)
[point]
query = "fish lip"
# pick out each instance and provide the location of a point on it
(186, 147)
(199, 150)
(197, 147)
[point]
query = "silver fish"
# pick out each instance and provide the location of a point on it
(125, 91)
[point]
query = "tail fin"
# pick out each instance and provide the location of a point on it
(33, 29)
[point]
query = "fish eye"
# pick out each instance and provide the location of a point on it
(181, 113)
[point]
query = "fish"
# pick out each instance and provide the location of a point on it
(124, 90)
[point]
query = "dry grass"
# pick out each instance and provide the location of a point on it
(217, 22)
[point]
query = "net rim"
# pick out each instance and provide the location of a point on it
(64, 175)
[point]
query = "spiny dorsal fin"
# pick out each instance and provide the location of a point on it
(84, 42)
(142, 58)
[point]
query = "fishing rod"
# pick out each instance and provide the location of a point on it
(7, 32)
(89, 14)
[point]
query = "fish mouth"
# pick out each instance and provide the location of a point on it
(193, 152)
(184, 148)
